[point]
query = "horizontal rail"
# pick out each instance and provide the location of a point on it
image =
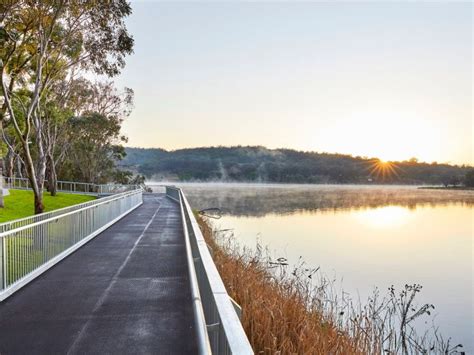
(29, 250)
(204, 346)
(17, 223)
(173, 193)
(223, 327)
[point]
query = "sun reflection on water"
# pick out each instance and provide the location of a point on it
(384, 217)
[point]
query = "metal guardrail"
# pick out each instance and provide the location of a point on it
(217, 321)
(111, 189)
(72, 186)
(32, 245)
(31, 249)
(17, 223)
(173, 193)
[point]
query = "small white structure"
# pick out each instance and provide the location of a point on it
(5, 192)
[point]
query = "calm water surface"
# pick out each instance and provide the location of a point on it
(365, 237)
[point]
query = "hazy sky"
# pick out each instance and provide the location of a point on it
(386, 79)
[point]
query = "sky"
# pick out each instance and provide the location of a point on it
(380, 79)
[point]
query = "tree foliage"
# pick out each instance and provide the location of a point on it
(95, 147)
(283, 166)
(469, 178)
(43, 46)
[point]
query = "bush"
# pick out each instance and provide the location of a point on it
(469, 178)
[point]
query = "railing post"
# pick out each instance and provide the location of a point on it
(3, 271)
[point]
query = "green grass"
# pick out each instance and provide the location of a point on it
(19, 203)
(23, 255)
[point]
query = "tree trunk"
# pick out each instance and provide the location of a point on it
(20, 168)
(47, 179)
(10, 163)
(39, 207)
(52, 176)
(37, 186)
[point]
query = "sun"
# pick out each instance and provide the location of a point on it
(382, 169)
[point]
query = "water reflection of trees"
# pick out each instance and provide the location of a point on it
(241, 200)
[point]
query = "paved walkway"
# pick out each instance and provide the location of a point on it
(125, 292)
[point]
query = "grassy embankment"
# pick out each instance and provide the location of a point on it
(295, 310)
(19, 203)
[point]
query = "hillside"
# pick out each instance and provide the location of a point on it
(259, 164)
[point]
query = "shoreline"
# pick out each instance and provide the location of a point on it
(452, 188)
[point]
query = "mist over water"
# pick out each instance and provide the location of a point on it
(362, 236)
(263, 199)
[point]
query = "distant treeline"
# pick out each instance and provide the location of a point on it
(259, 164)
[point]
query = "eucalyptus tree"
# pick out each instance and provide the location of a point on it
(96, 146)
(94, 134)
(104, 98)
(13, 161)
(58, 108)
(41, 41)
(74, 101)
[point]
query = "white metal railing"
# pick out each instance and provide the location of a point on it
(71, 186)
(217, 320)
(32, 248)
(110, 189)
(17, 223)
(173, 193)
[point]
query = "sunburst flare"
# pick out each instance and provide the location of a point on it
(384, 170)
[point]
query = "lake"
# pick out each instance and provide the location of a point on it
(363, 237)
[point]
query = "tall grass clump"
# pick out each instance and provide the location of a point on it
(296, 310)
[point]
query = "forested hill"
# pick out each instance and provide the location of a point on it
(259, 164)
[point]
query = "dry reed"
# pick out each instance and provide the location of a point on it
(295, 310)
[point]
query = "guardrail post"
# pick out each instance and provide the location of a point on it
(3, 266)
